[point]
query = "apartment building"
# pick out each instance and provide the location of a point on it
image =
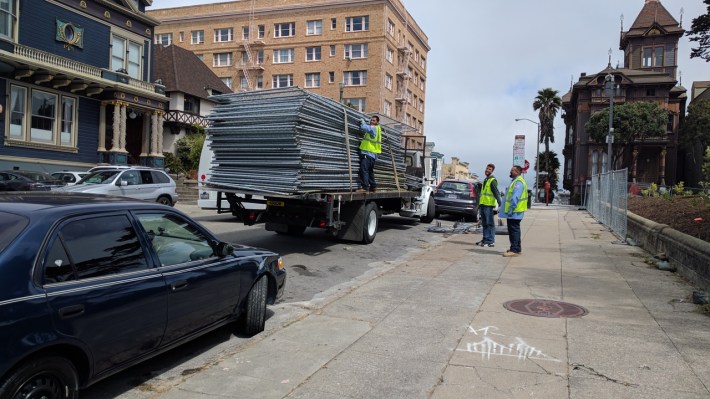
(370, 54)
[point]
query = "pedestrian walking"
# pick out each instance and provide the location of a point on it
(370, 147)
(489, 203)
(513, 209)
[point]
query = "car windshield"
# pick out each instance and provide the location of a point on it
(454, 186)
(100, 177)
(10, 227)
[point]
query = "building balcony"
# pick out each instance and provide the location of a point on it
(184, 119)
(251, 65)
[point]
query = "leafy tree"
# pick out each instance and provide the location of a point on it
(548, 103)
(632, 122)
(700, 32)
(696, 129)
(551, 166)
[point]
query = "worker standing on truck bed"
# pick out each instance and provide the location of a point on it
(370, 147)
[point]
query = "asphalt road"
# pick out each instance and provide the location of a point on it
(315, 263)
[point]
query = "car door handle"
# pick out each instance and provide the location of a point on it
(71, 311)
(178, 285)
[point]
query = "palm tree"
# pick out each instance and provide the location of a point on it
(548, 103)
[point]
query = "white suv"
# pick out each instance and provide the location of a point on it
(135, 182)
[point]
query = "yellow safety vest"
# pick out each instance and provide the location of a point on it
(373, 145)
(487, 197)
(523, 203)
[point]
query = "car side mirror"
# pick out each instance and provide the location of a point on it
(121, 183)
(223, 249)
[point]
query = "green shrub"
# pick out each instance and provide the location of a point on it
(187, 153)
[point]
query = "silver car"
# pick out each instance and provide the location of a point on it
(139, 183)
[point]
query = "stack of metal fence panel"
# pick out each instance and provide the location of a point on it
(290, 141)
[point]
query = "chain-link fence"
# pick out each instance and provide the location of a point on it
(607, 200)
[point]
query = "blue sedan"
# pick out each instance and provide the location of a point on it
(90, 285)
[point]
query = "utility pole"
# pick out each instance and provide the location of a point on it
(610, 88)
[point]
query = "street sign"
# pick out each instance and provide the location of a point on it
(526, 166)
(519, 150)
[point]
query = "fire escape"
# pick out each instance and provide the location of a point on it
(402, 96)
(250, 65)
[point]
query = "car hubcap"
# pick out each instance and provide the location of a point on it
(42, 386)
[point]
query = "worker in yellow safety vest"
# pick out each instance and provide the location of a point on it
(488, 204)
(370, 148)
(514, 207)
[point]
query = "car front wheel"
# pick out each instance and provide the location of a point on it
(50, 377)
(255, 316)
(165, 200)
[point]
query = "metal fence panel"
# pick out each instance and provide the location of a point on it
(607, 200)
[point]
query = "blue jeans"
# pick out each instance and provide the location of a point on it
(367, 172)
(514, 235)
(488, 224)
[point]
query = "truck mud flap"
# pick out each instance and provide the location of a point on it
(353, 216)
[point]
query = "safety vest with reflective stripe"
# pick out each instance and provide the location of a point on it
(373, 145)
(487, 197)
(522, 205)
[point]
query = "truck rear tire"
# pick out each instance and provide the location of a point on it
(369, 228)
(430, 211)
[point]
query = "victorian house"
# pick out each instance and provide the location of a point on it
(650, 49)
(77, 78)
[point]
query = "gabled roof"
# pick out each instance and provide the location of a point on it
(628, 77)
(181, 70)
(652, 15)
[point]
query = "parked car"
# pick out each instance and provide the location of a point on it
(24, 180)
(69, 177)
(457, 197)
(90, 285)
(134, 182)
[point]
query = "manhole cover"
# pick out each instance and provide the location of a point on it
(545, 308)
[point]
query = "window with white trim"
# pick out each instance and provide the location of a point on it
(409, 96)
(282, 81)
(421, 105)
(181, 36)
(332, 50)
(197, 37)
(163, 39)
(284, 55)
(222, 59)
(245, 33)
(355, 78)
(357, 24)
(313, 53)
(421, 84)
(227, 82)
(652, 56)
(223, 35)
(331, 77)
(388, 81)
(260, 57)
(387, 108)
(200, 57)
(42, 116)
(128, 55)
(314, 27)
(390, 27)
(243, 83)
(356, 103)
(313, 79)
(355, 51)
(422, 62)
(333, 23)
(259, 82)
(8, 18)
(286, 29)
(389, 55)
(261, 31)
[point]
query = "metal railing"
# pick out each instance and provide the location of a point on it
(607, 200)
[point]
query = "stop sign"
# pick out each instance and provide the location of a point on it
(526, 166)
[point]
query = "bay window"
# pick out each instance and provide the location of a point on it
(8, 17)
(42, 117)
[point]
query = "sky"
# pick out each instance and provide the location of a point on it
(489, 58)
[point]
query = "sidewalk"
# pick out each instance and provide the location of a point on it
(435, 327)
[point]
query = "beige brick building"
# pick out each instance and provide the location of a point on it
(369, 53)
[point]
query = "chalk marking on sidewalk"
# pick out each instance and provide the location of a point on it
(488, 347)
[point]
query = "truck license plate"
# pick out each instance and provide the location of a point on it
(451, 196)
(275, 203)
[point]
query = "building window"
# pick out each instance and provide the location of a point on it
(191, 104)
(243, 83)
(8, 18)
(421, 84)
(282, 81)
(669, 127)
(356, 103)
(652, 56)
(388, 81)
(52, 117)
(421, 105)
(259, 82)
(181, 36)
(127, 55)
(387, 108)
(357, 24)
(389, 55)
(390, 27)
(245, 33)
(285, 29)
(197, 37)
(333, 23)
(284, 55)
(409, 96)
(422, 62)
(164, 39)
(222, 59)
(650, 92)
(331, 77)
(355, 51)
(314, 27)
(200, 57)
(313, 79)
(313, 54)
(227, 82)
(223, 35)
(355, 78)
(332, 50)
(261, 33)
